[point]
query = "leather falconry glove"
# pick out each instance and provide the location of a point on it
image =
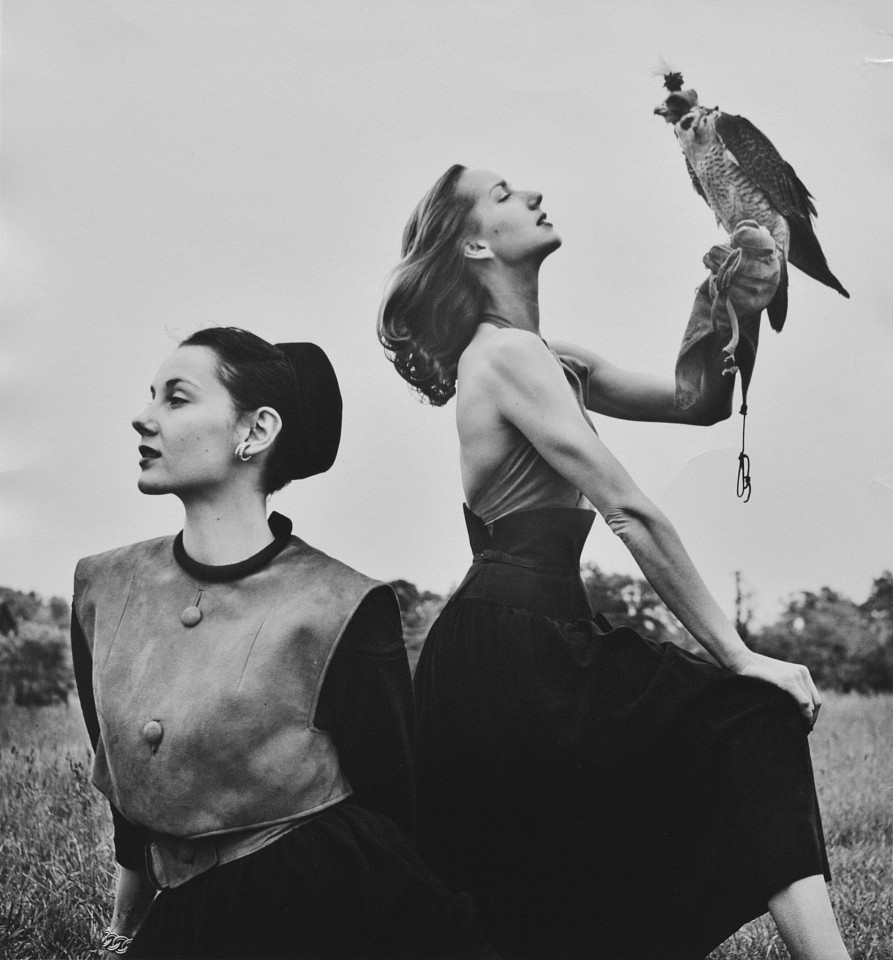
(744, 275)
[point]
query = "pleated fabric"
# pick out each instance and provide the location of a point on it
(600, 795)
(347, 885)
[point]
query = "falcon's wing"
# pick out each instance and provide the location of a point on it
(763, 164)
(754, 153)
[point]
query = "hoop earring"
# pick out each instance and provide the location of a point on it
(240, 452)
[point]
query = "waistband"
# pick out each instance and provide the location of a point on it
(171, 861)
(550, 539)
(530, 560)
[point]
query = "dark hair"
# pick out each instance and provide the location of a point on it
(256, 374)
(433, 302)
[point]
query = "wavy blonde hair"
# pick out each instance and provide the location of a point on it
(433, 301)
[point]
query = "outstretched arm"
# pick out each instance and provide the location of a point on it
(628, 395)
(528, 389)
(750, 284)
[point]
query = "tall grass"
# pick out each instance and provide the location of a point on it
(853, 761)
(56, 860)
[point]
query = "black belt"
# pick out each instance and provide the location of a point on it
(499, 556)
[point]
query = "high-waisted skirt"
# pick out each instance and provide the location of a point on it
(347, 885)
(600, 795)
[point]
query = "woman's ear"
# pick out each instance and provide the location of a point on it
(477, 250)
(265, 424)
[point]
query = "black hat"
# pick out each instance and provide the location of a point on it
(311, 432)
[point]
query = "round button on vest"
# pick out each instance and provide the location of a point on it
(191, 616)
(152, 733)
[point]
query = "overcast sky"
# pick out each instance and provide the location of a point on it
(180, 163)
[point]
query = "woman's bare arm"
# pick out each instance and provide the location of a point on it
(134, 894)
(628, 395)
(529, 390)
(750, 285)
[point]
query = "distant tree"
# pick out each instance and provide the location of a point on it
(35, 666)
(418, 609)
(879, 605)
(8, 624)
(24, 606)
(60, 612)
(31, 607)
(631, 602)
(743, 609)
(878, 609)
(834, 638)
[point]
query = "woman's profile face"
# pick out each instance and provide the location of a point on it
(510, 222)
(189, 430)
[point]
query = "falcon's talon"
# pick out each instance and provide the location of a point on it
(721, 280)
(729, 348)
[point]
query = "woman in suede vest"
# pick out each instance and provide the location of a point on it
(248, 698)
(600, 795)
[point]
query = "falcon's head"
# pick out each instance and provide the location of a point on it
(697, 126)
(679, 102)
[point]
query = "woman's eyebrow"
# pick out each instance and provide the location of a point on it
(502, 184)
(170, 384)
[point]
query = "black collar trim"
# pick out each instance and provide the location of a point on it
(280, 527)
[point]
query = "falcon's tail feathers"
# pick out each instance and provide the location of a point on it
(777, 310)
(806, 254)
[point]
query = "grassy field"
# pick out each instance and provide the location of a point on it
(56, 857)
(853, 760)
(56, 864)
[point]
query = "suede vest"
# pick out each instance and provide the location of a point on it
(209, 728)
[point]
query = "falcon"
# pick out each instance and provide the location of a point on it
(741, 176)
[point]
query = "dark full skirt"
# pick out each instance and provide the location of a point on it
(346, 885)
(599, 794)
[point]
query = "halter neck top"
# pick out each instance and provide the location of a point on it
(524, 480)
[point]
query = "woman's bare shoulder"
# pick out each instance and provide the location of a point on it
(499, 352)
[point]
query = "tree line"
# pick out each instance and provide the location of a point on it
(35, 654)
(846, 646)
